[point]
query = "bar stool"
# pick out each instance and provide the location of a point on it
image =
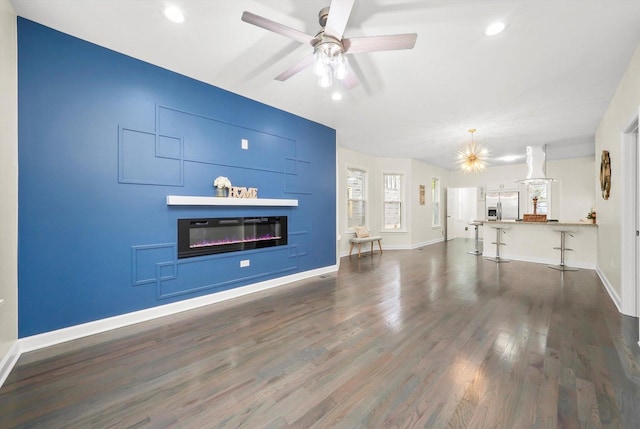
(563, 232)
(499, 230)
(475, 251)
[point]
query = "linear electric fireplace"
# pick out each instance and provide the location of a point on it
(197, 237)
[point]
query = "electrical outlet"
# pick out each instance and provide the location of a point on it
(245, 263)
(245, 144)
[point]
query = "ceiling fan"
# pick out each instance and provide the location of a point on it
(329, 47)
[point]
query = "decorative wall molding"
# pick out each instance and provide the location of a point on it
(47, 339)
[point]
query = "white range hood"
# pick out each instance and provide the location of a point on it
(536, 166)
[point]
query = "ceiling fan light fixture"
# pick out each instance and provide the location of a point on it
(319, 66)
(325, 80)
(472, 158)
(329, 60)
(329, 44)
(340, 70)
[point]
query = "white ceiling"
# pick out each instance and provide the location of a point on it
(547, 79)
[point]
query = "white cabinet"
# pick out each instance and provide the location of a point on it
(502, 185)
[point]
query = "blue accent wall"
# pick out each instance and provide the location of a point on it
(104, 138)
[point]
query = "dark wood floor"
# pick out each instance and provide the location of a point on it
(430, 338)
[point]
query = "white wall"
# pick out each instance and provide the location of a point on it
(8, 183)
(571, 196)
(418, 230)
(574, 195)
(395, 239)
(421, 229)
(489, 178)
(350, 159)
(624, 105)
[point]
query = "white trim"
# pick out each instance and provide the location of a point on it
(9, 361)
(338, 235)
(185, 200)
(607, 285)
(400, 246)
(441, 213)
(628, 253)
(36, 342)
(403, 200)
(366, 199)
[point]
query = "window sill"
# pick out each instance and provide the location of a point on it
(394, 231)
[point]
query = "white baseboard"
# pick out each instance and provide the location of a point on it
(427, 243)
(9, 361)
(47, 339)
(610, 290)
(398, 246)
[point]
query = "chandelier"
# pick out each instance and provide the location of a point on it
(330, 61)
(472, 158)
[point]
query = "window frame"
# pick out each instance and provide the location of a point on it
(546, 200)
(364, 199)
(401, 200)
(436, 209)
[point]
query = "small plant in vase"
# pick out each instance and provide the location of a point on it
(592, 215)
(222, 185)
(535, 196)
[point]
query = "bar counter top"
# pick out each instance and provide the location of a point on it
(549, 224)
(539, 241)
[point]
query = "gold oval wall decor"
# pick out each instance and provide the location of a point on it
(605, 174)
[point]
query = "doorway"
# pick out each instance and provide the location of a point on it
(630, 221)
(462, 208)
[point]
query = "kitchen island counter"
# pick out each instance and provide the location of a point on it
(549, 224)
(535, 242)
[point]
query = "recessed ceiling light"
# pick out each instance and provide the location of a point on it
(494, 28)
(174, 14)
(509, 158)
(336, 96)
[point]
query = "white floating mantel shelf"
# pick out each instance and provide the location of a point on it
(182, 200)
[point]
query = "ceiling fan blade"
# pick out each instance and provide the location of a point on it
(297, 67)
(339, 12)
(276, 27)
(379, 43)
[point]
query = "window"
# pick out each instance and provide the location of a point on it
(392, 201)
(356, 198)
(541, 191)
(435, 201)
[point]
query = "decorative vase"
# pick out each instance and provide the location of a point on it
(221, 192)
